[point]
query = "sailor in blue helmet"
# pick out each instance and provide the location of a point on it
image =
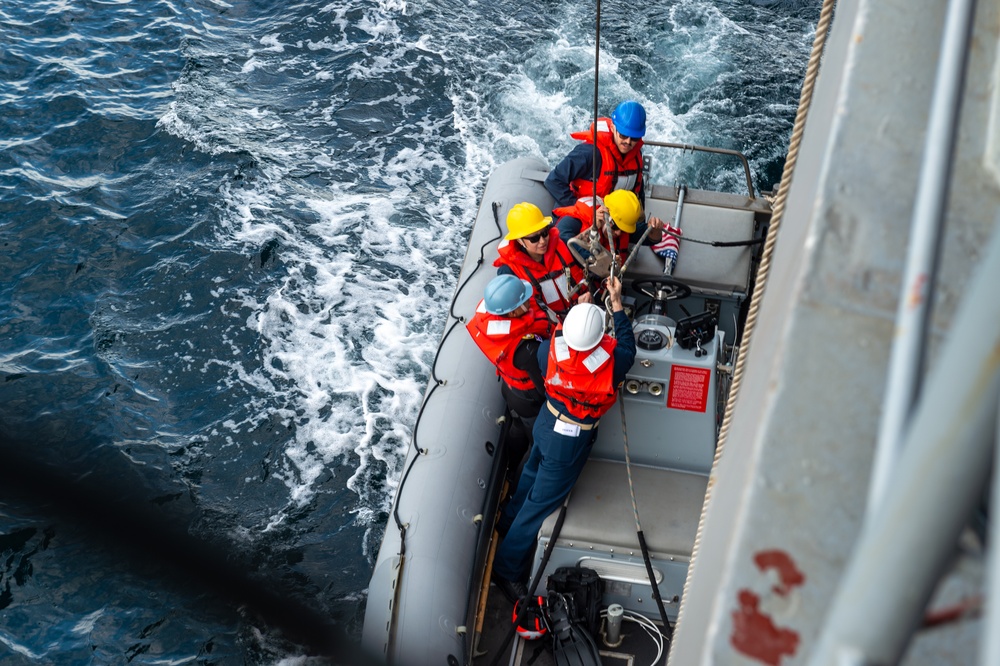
(508, 327)
(583, 368)
(619, 166)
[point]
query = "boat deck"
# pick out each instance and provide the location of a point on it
(599, 517)
(431, 604)
(637, 648)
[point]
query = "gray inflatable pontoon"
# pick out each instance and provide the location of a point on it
(424, 597)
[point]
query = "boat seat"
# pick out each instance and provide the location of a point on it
(724, 270)
(600, 509)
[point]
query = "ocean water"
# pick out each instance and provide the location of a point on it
(231, 230)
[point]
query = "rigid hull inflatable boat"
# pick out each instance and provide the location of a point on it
(429, 601)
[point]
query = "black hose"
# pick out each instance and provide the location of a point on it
(739, 243)
(667, 629)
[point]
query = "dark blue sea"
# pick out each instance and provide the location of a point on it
(230, 232)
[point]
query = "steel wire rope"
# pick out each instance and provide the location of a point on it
(608, 306)
(763, 270)
(593, 128)
(437, 381)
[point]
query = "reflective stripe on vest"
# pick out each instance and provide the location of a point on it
(550, 274)
(618, 172)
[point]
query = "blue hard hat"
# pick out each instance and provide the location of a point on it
(506, 293)
(630, 119)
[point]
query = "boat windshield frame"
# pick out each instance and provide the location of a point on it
(708, 149)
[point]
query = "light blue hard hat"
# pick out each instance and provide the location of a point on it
(630, 119)
(506, 293)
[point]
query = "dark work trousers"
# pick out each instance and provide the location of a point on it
(523, 406)
(553, 466)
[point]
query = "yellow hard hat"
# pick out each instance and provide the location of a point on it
(525, 219)
(623, 205)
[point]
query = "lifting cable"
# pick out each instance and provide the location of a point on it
(778, 209)
(614, 271)
(593, 127)
(595, 249)
(536, 579)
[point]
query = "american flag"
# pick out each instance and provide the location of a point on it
(667, 248)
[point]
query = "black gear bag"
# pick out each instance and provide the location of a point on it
(586, 589)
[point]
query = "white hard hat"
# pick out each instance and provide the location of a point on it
(584, 327)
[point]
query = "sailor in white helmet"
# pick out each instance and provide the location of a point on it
(583, 369)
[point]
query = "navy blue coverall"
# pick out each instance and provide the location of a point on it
(553, 466)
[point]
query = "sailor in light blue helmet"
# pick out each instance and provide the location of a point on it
(505, 294)
(508, 328)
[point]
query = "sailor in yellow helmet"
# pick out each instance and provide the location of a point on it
(623, 209)
(533, 251)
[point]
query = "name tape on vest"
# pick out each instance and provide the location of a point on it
(498, 327)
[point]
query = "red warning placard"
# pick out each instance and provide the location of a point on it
(689, 388)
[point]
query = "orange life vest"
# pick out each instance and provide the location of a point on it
(498, 336)
(583, 381)
(548, 277)
(583, 210)
(618, 172)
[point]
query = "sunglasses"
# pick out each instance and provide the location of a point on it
(625, 137)
(537, 236)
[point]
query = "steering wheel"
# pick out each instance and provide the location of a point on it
(662, 289)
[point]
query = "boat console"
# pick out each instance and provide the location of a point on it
(685, 326)
(669, 399)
